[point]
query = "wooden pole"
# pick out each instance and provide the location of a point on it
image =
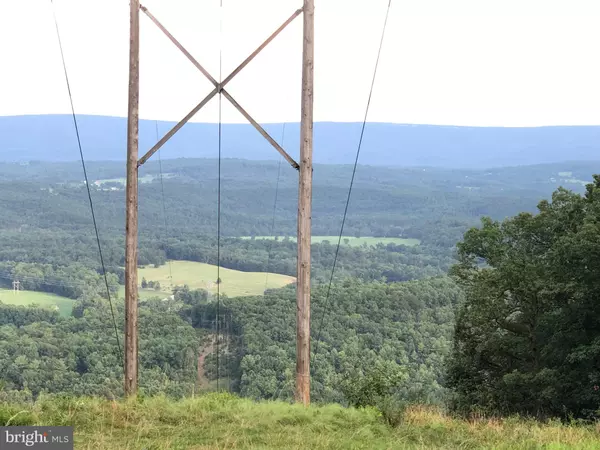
(305, 211)
(131, 226)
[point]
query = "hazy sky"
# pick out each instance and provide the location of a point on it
(453, 62)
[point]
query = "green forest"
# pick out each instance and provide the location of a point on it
(495, 312)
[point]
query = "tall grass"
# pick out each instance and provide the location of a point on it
(219, 421)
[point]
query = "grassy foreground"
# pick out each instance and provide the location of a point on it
(44, 300)
(216, 421)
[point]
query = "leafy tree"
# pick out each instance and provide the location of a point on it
(371, 386)
(528, 336)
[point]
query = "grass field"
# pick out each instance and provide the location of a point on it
(146, 294)
(354, 241)
(63, 304)
(220, 421)
(204, 276)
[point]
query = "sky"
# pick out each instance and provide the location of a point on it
(445, 62)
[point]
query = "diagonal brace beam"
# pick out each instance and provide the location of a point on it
(261, 47)
(261, 130)
(177, 127)
(218, 89)
(179, 46)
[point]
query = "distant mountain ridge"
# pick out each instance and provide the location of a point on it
(52, 138)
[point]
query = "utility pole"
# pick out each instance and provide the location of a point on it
(305, 183)
(305, 211)
(131, 226)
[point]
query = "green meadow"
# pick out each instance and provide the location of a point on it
(62, 304)
(196, 275)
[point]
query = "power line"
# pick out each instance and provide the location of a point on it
(274, 209)
(362, 133)
(87, 184)
(162, 188)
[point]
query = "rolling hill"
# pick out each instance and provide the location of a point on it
(51, 138)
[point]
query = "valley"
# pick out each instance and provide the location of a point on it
(393, 320)
(393, 244)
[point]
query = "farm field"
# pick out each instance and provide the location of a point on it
(146, 294)
(42, 299)
(353, 241)
(234, 283)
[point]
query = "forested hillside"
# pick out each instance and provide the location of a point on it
(371, 324)
(434, 205)
(51, 138)
(46, 216)
(41, 352)
(512, 329)
(405, 327)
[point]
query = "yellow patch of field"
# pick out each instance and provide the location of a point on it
(196, 275)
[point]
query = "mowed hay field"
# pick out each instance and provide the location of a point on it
(42, 299)
(145, 294)
(353, 241)
(234, 283)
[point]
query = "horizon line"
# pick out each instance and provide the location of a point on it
(316, 122)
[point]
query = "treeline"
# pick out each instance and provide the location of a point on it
(365, 325)
(393, 262)
(62, 247)
(72, 281)
(44, 353)
(65, 258)
(403, 326)
(527, 337)
(434, 205)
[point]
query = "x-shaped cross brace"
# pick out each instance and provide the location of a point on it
(219, 89)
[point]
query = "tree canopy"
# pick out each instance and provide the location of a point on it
(528, 335)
